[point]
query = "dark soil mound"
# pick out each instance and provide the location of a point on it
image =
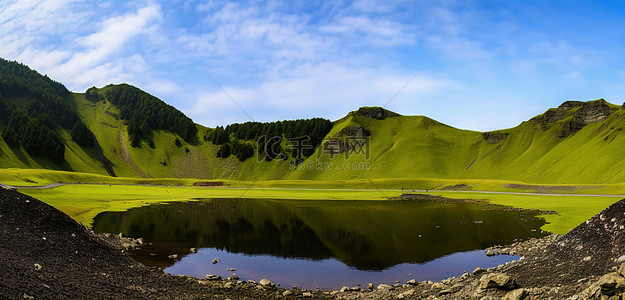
(46, 254)
(589, 250)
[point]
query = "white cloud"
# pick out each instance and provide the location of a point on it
(24, 23)
(366, 30)
(56, 38)
(326, 90)
(100, 46)
(284, 60)
(372, 6)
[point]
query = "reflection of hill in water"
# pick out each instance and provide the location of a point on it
(363, 234)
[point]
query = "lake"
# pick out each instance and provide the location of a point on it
(320, 243)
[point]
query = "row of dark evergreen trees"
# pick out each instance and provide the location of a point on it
(32, 110)
(145, 113)
(303, 136)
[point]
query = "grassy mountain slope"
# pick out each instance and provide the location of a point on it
(551, 150)
(166, 159)
(411, 146)
(141, 136)
(398, 147)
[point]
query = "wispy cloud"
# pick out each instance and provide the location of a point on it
(283, 59)
(98, 59)
(312, 90)
(87, 52)
(23, 24)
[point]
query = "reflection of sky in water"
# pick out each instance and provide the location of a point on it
(327, 273)
(277, 239)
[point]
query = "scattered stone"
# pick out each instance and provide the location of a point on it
(490, 253)
(438, 285)
(212, 277)
(587, 258)
(192, 250)
(234, 277)
(497, 281)
(307, 294)
(173, 256)
(344, 289)
(406, 294)
(37, 267)
(228, 285)
(518, 294)
(370, 286)
(266, 283)
(231, 269)
(621, 270)
(288, 293)
(411, 282)
(445, 292)
(215, 260)
(384, 287)
(478, 271)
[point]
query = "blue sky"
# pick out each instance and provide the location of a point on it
(478, 65)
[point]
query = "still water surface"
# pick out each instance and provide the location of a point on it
(325, 244)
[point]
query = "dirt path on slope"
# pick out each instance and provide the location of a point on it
(128, 158)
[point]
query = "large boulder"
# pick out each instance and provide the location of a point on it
(611, 284)
(497, 281)
(266, 283)
(518, 294)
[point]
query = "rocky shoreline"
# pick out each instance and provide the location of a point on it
(48, 255)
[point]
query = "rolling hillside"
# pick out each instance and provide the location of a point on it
(119, 130)
(578, 142)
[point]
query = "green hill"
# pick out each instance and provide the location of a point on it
(119, 130)
(578, 142)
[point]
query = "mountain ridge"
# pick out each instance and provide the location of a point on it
(576, 142)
